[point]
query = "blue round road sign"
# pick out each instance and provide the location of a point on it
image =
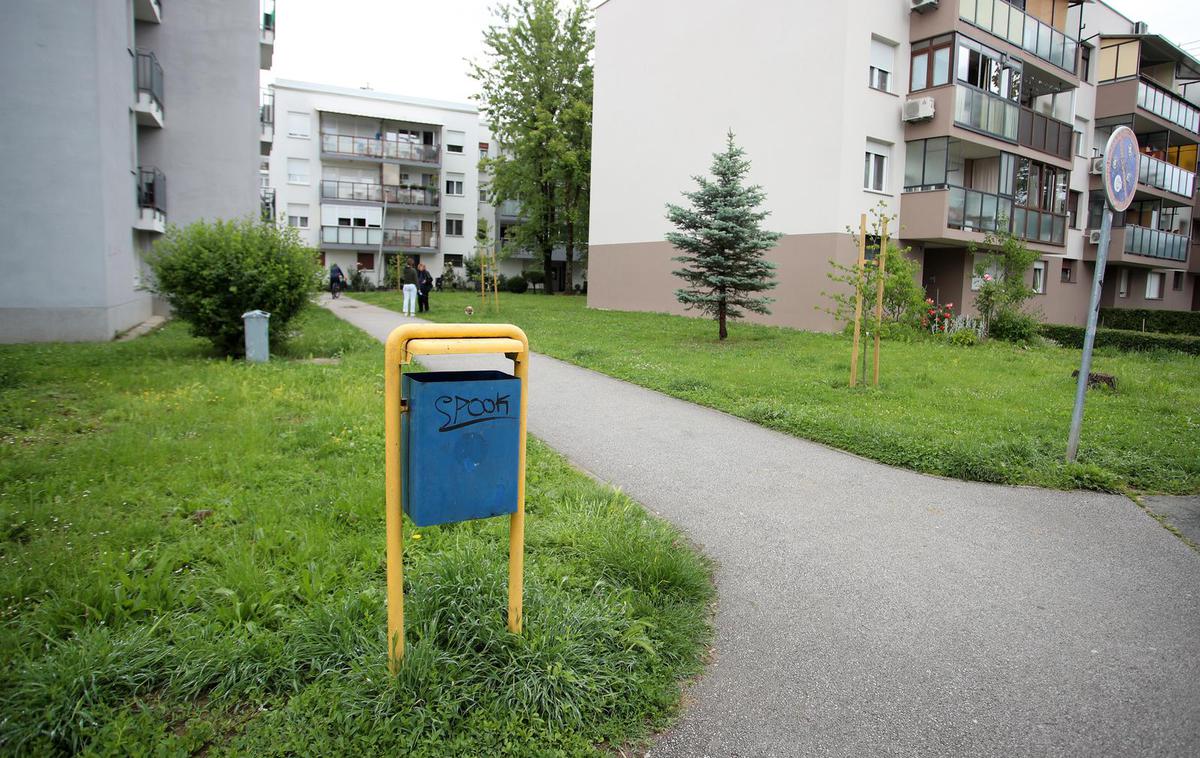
(1121, 167)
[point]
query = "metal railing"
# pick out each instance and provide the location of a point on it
(1155, 243)
(374, 147)
(409, 238)
(266, 107)
(152, 189)
(1165, 176)
(985, 112)
(977, 211)
(1044, 133)
(334, 189)
(1021, 29)
(1167, 105)
(148, 75)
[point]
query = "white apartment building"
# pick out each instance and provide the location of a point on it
(960, 116)
(120, 116)
(366, 175)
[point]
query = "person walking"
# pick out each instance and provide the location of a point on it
(409, 277)
(337, 280)
(424, 287)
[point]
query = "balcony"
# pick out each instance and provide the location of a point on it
(148, 89)
(1022, 30)
(374, 148)
(149, 11)
(1168, 177)
(266, 35)
(958, 216)
(1154, 108)
(1045, 134)
(1155, 243)
(151, 200)
(1167, 106)
(372, 236)
(510, 209)
(267, 201)
(404, 196)
(266, 122)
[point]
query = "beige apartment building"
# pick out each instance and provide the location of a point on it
(960, 116)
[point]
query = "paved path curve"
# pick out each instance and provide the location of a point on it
(868, 610)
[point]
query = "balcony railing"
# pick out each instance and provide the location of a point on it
(1045, 134)
(374, 147)
(1026, 32)
(268, 15)
(332, 189)
(266, 108)
(1166, 105)
(1155, 243)
(1165, 176)
(152, 189)
(409, 238)
(985, 112)
(976, 211)
(267, 200)
(148, 75)
(510, 208)
(373, 235)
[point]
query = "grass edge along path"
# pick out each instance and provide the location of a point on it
(995, 412)
(192, 560)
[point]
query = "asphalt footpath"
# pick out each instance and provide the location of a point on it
(868, 610)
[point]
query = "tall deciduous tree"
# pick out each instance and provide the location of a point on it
(723, 242)
(536, 93)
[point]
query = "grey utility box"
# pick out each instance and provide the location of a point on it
(258, 346)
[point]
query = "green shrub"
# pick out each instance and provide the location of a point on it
(964, 338)
(535, 277)
(517, 285)
(1122, 339)
(1012, 325)
(212, 273)
(1163, 322)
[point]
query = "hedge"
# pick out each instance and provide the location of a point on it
(1122, 339)
(1163, 322)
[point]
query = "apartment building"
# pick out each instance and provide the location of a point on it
(960, 116)
(365, 176)
(120, 117)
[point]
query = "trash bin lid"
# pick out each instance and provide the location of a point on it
(256, 314)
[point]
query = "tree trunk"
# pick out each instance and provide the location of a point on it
(570, 257)
(721, 319)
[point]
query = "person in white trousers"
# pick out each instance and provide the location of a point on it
(409, 277)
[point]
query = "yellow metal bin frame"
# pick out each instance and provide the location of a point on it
(446, 339)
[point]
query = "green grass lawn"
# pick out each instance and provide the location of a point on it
(994, 412)
(192, 562)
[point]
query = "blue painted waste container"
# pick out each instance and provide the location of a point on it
(461, 439)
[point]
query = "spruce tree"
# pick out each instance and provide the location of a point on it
(723, 242)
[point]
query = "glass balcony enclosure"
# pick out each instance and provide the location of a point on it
(1168, 106)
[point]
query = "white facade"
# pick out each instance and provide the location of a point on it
(361, 172)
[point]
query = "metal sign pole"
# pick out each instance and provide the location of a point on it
(1089, 336)
(1121, 156)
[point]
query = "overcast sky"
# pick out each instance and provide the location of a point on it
(418, 48)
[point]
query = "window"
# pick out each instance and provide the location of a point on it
(1073, 208)
(1039, 277)
(930, 63)
(1068, 271)
(455, 141)
(933, 164)
(1177, 281)
(454, 226)
(297, 215)
(1080, 144)
(1040, 202)
(883, 62)
(298, 125)
(297, 170)
(983, 67)
(1154, 285)
(483, 149)
(1118, 59)
(993, 270)
(366, 261)
(452, 260)
(1085, 61)
(1123, 283)
(454, 184)
(875, 166)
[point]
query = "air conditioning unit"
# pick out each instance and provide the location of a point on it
(920, 6)
(1093, 236)
(1096, 166)
(1141, 27)
(920, 109)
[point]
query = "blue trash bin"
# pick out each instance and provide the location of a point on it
(461, 439)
